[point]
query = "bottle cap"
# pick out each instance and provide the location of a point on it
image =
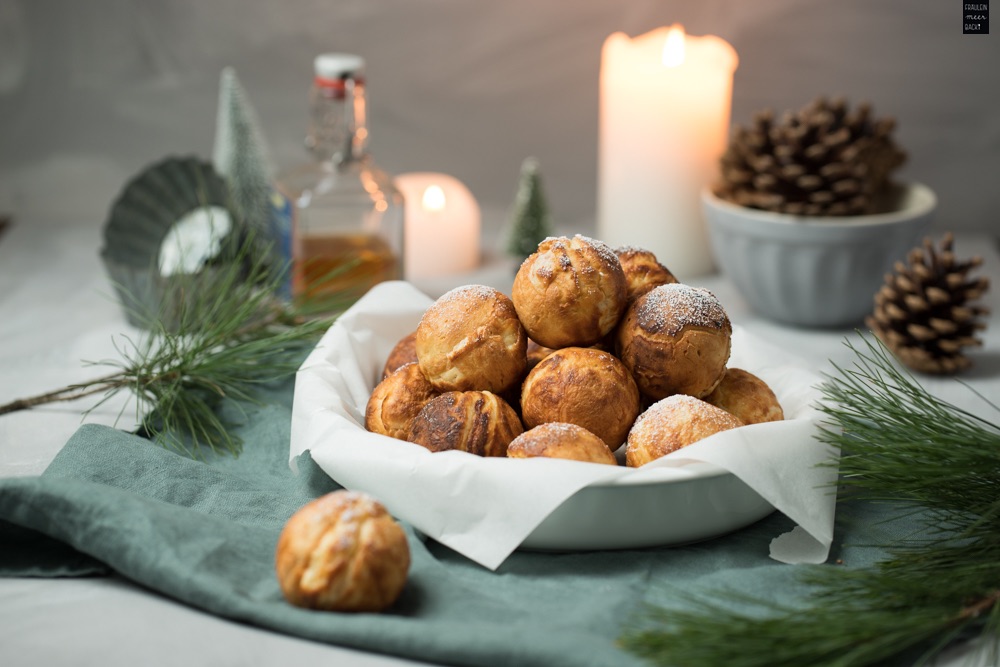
(339, 66)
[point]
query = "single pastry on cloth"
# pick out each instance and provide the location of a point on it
(570, 292)
(561, 441)
(342, 552)
(396, 400)
(478, 422)
(583, 386)
(404, 352)
(471, 339)
(642, 271)
(675, 339)
(745, 395)
(672, 423)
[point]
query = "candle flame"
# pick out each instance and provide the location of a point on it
(433, 198)
(673, 47)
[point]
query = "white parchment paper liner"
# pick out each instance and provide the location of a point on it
(485, 507)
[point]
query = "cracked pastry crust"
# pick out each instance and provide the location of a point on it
(396, 400)
(478, 422)
(570, 292)
(471, 339)
(582, 386)
(342, 552)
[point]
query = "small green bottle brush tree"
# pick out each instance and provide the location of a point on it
(530, 220)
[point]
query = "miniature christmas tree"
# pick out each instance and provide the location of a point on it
(242, 158)
(530, 222)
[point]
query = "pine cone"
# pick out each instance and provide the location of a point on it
(824, 160)
(922, 313)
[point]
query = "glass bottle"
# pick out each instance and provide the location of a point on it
(348, 223)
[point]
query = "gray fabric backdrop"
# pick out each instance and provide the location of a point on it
(90, 92)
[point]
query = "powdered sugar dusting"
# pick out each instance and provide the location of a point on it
(561, 440)
(631, 250)
(670, 308)
(480, 293)
(449, 312)
(665, 419)
(552, 433)
(565, 250)
(607, 255)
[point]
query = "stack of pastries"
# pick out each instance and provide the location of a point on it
(594, 351)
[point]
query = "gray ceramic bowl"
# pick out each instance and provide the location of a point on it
(818, 272)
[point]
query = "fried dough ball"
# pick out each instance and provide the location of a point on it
(672, 423)
(745, 395)
(570, 292)
(396, 400)
(675, 339)
(583, 386)
(471, 339)
(561, 441)
(478, 422)
(342, 552)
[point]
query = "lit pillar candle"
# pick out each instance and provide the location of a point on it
(665, 100)
(442, 225)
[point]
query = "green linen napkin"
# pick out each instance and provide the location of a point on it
(204, 533)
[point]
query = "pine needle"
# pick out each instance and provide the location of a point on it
(220, 337)
(901, 446)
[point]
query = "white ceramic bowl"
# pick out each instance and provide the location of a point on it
(713, 502)
(814, 271)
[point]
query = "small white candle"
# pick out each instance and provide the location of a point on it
(442, 225)
(665, 100)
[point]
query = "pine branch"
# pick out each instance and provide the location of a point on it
(900, 445)
(228, 337)
(72, 392)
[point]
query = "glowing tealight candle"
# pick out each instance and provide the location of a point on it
(442, 225)
(665, 101)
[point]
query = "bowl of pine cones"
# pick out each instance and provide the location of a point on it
(805, 219)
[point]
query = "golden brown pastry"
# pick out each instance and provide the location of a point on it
(403, 353)
(672, 423)
(478, 422)
(675, 339)
(561, 441)
(396, 400)
(745, 395)
(342, 552)
(642, 271)
(582, 386)
(471, 339)
(571, 292)
(536, 353)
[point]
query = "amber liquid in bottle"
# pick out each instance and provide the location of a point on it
(344, 264)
